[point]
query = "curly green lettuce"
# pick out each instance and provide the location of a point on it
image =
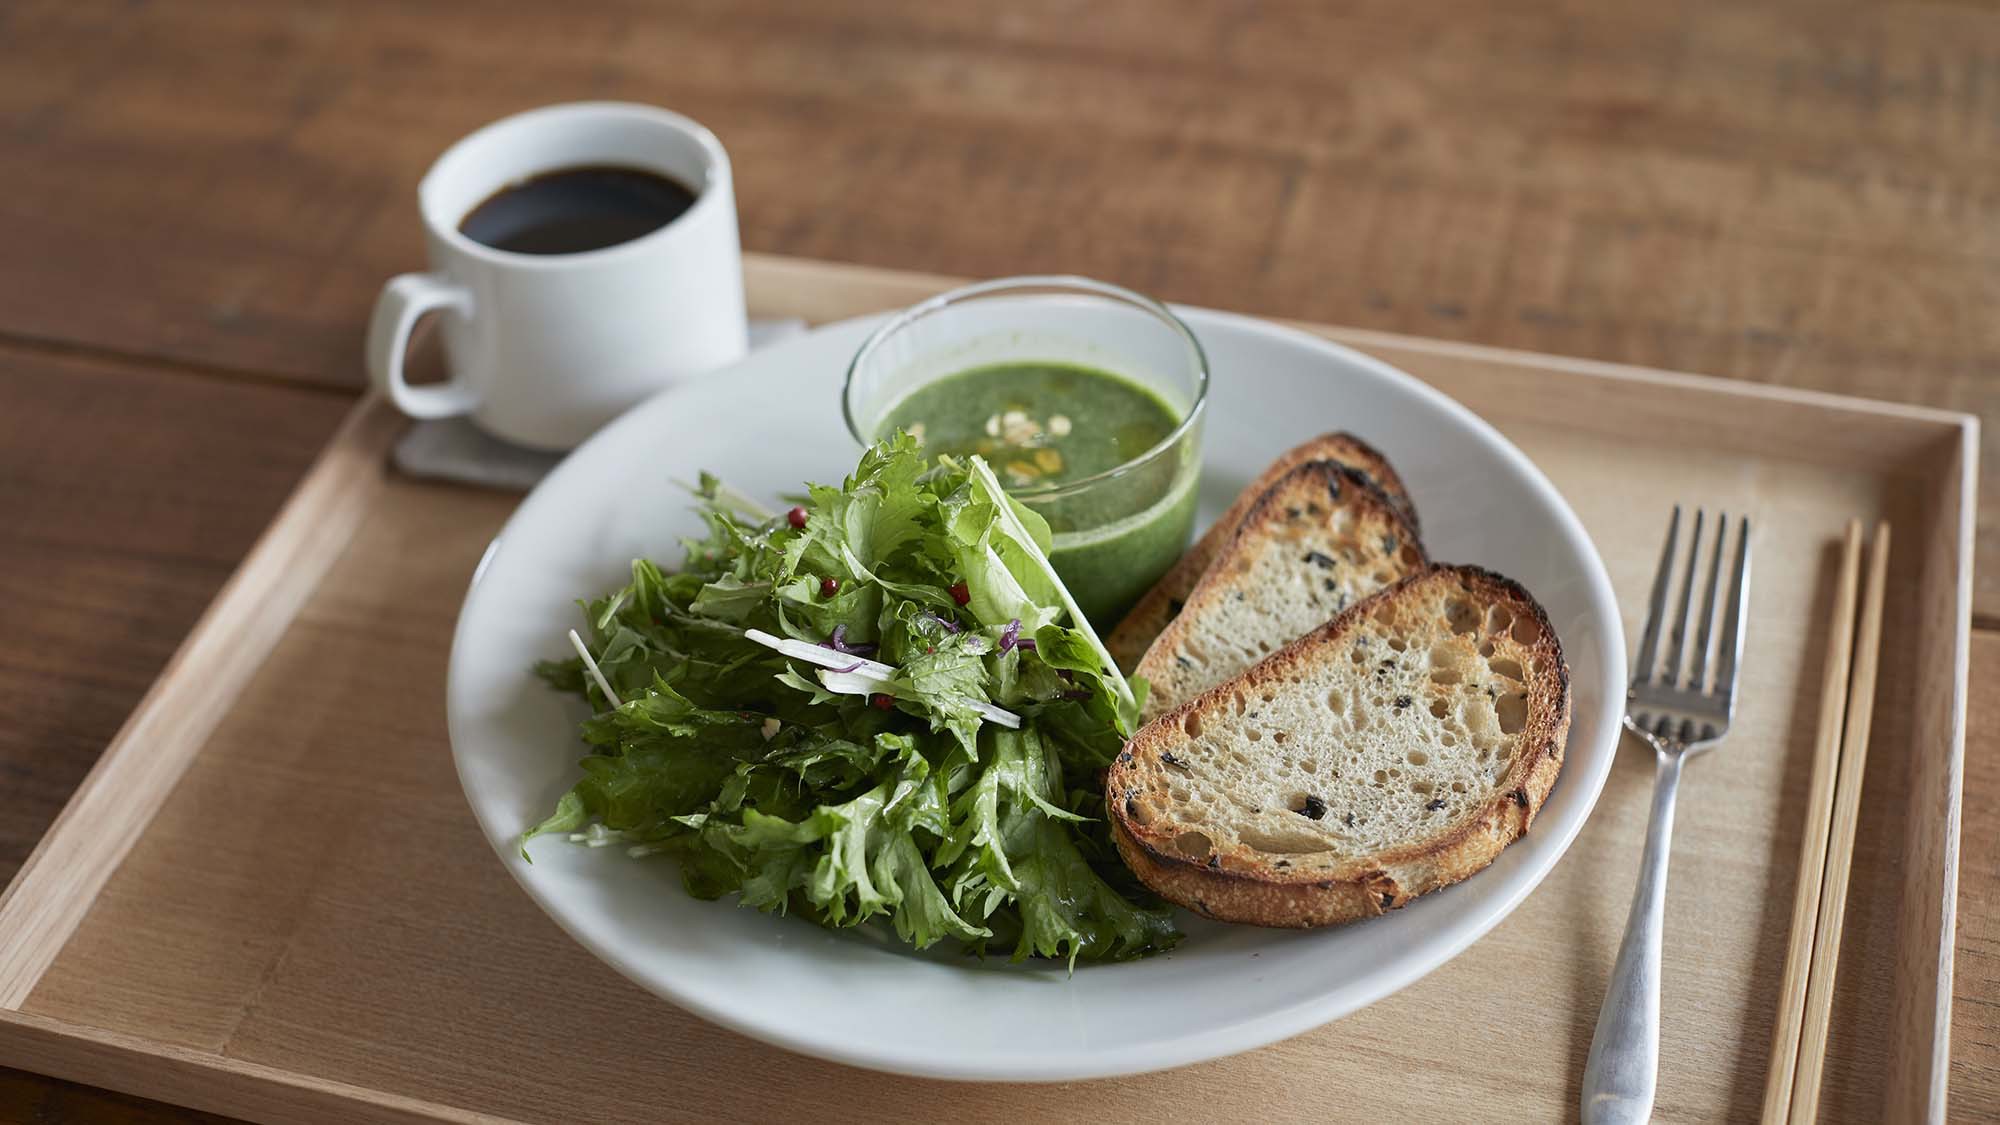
(904, 804)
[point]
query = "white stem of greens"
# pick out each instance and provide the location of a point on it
(596, 673)
(854, 675)
(854, 683)
(1078, 621)
(824, 657)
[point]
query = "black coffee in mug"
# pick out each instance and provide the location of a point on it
(571, 210)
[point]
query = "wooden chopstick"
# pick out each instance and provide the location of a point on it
(1819, 823)
(1840, 847)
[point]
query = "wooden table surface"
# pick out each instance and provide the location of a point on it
(199, 200)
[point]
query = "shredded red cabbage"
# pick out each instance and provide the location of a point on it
(1010, 635)
(950, 626)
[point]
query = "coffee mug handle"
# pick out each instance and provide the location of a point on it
(403, 302)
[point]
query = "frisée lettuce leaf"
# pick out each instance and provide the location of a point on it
(888, 796)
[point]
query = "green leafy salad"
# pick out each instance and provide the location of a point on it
(881, 704)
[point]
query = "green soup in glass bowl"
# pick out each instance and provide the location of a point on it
(1085, 398)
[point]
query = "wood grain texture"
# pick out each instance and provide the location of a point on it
(1803, 194)
(1798, 193)
(172, 724)
(30, 1097)
(305, 938)
(1975, 1030)
(125, 501)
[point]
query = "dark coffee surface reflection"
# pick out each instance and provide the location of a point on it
(571, 210)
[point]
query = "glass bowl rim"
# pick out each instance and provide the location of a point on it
(1074, 285)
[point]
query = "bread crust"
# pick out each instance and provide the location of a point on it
(1251, 887)
(1272, 515)
(1131, 638)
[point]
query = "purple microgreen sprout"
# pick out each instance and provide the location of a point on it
(838, 643)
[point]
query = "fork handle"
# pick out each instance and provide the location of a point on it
(1624, 1065)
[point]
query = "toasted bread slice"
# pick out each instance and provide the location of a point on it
(1394, 751)
(1134, 635)
(1317, 541)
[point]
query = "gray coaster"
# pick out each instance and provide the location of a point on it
(454, 449)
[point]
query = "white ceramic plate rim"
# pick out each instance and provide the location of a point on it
(1586, 771)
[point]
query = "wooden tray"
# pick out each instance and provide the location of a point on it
(269, 898)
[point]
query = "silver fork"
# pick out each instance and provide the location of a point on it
(1677, 715)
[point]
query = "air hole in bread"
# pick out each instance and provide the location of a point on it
(1385, 577)
(1417, 758)
(1421, 788)
(1513, 713)
(1526, 632)
(1236, 702)
(1139, 811)
(1179, 795)
(1446, 676)
(1192, 724)
(1269, 696)
(1485, 648)
(1461, 616)
(1498, 618)
(1194, 845)
(1281, 843)
(1398, 644)
(1336, 701)
(1447, 739)
(1505, 667)
(1412, 560)
(1381, 777)
(1280, 737)
(1254, 735)
(1439, 708)
(1458, 786)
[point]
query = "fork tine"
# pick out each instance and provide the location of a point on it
(1656, 606)
(1677, 635)
(1731, 649)
(1699, 679)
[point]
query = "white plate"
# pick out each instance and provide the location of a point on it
(774, 421)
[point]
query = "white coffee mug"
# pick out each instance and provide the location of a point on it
(545, 348)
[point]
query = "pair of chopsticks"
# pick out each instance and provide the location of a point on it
(1840, 753)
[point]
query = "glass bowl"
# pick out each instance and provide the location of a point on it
(1117, 530)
